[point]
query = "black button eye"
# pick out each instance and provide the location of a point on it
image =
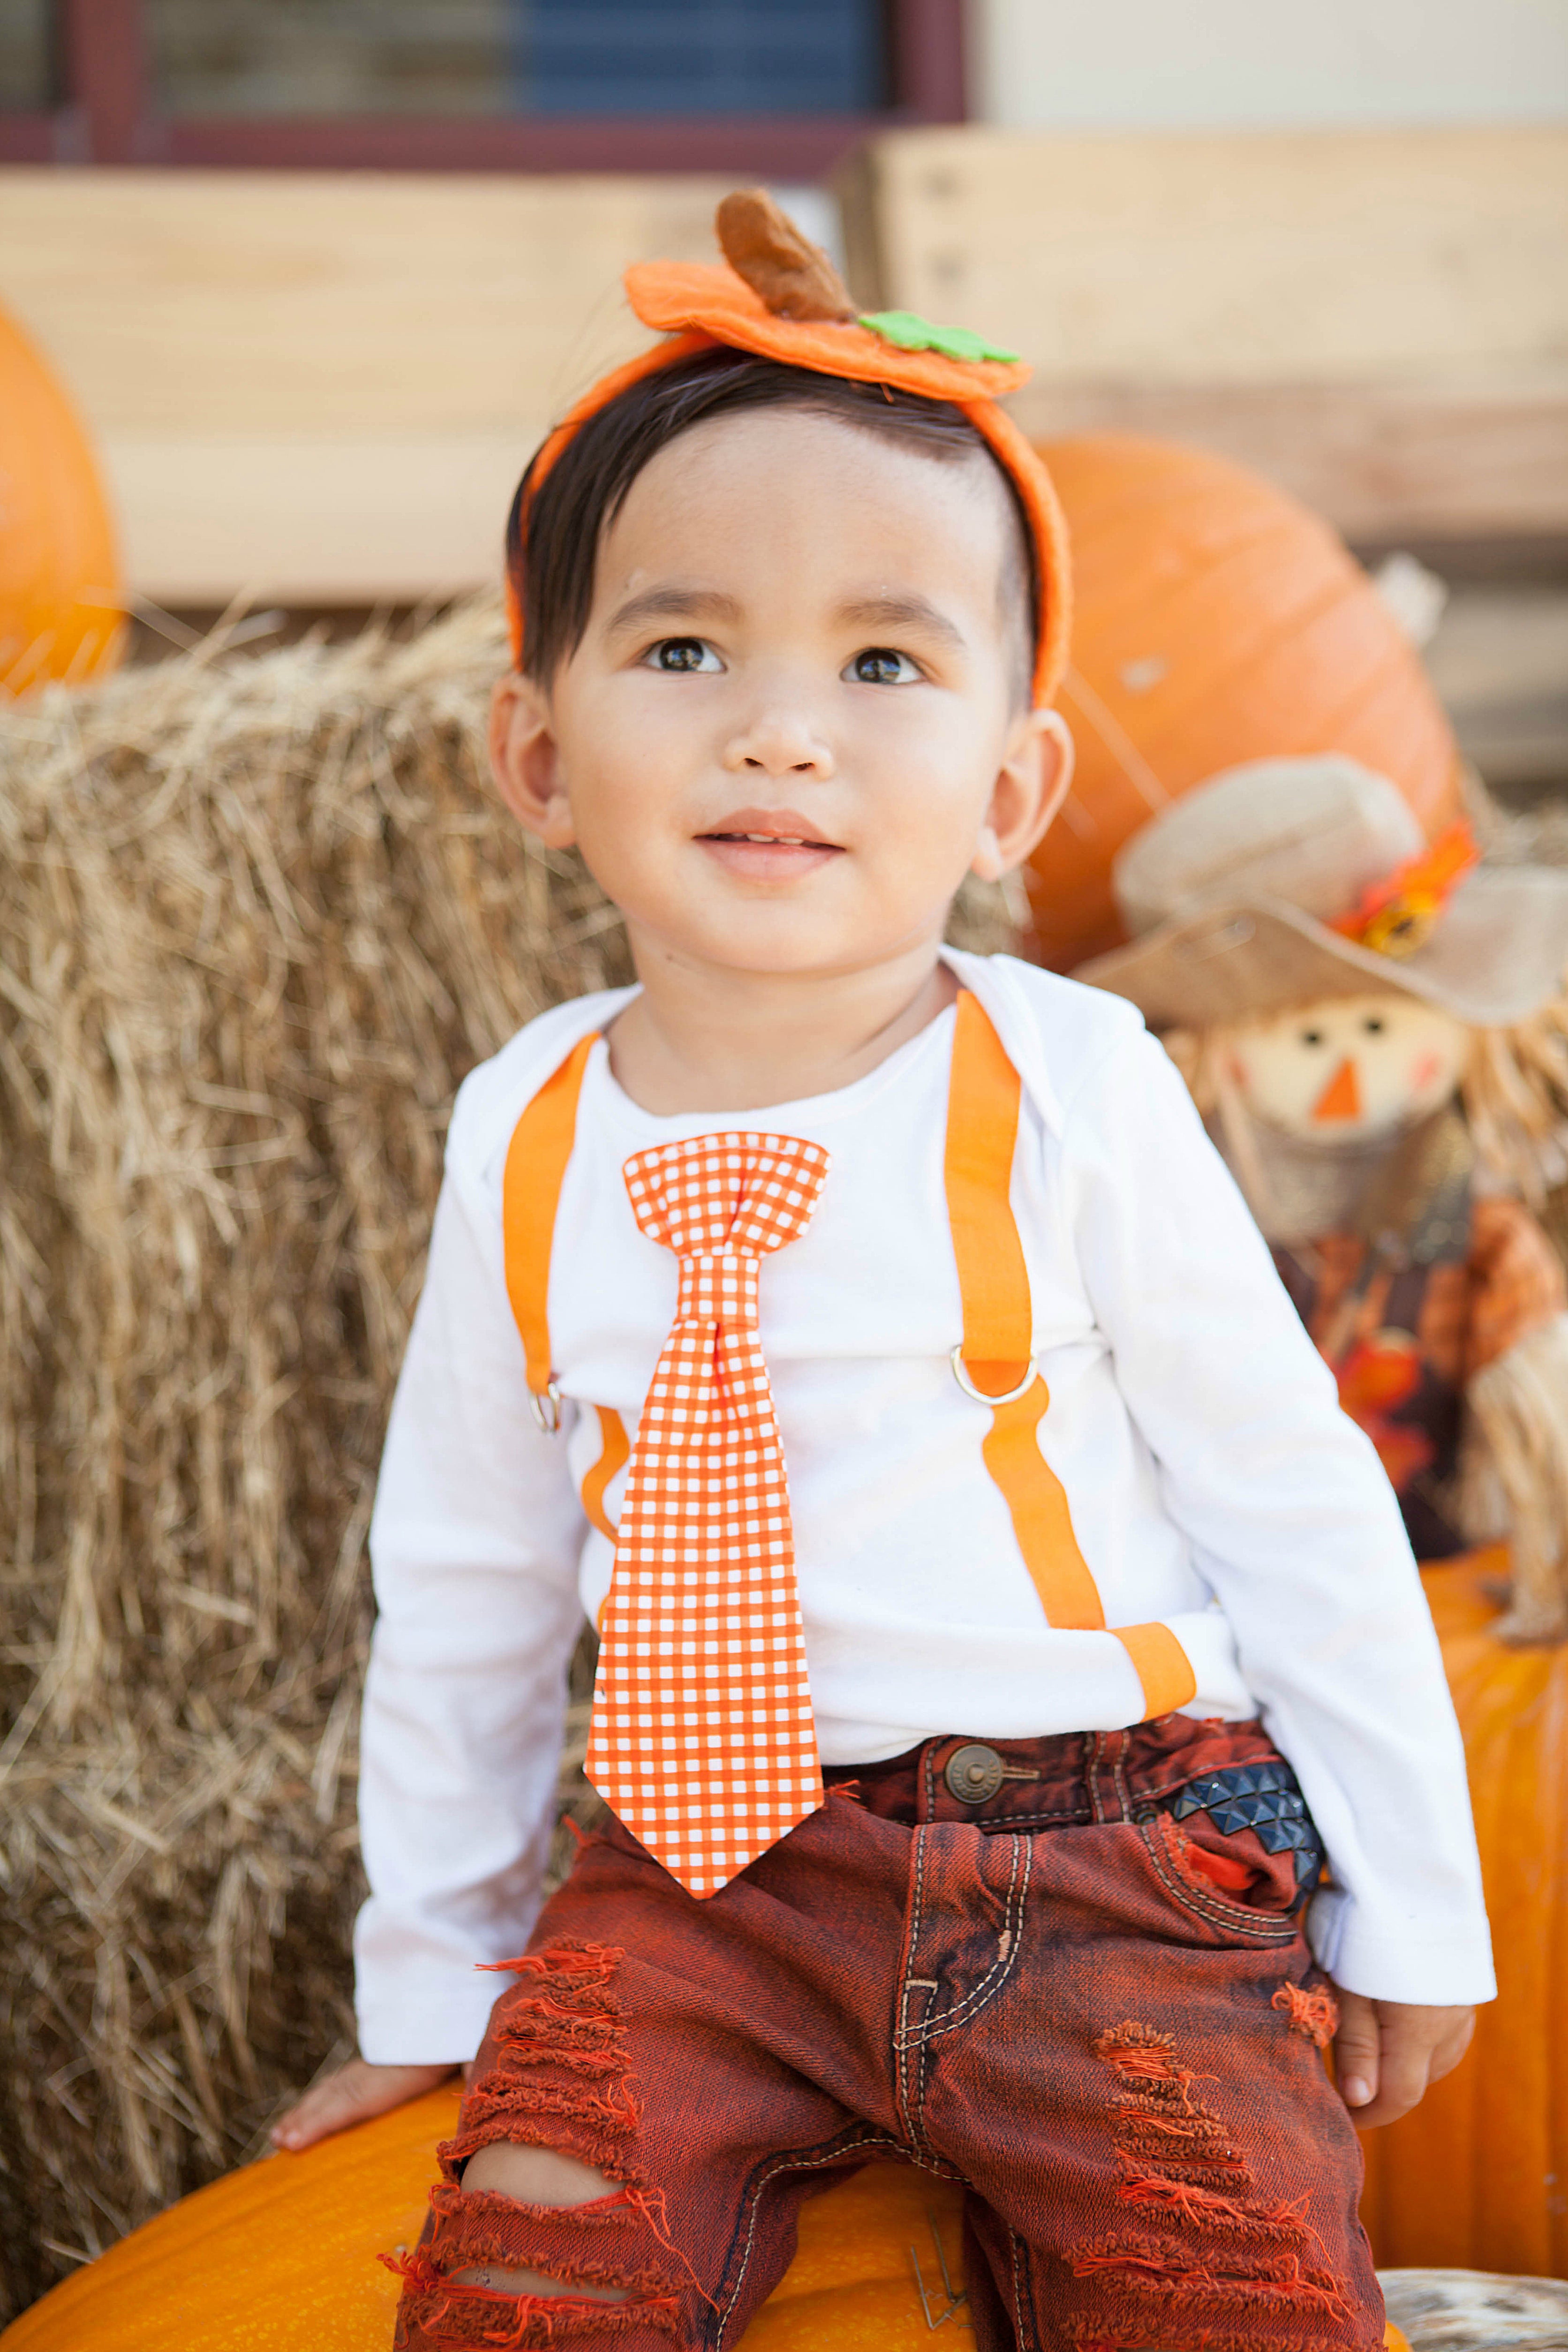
(1374, 1025)
(1311, 1036)
(681, 653)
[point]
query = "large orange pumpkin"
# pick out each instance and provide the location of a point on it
(282, 2256)
(61, 600)
(1477, 2178)
(1217, 620)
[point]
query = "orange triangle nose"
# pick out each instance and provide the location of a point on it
(1341, 1098)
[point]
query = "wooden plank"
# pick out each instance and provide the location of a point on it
(321, 383)
(313, 520)
(1385, 462)
(1377, 318)
(310, 302)
(1313, 257)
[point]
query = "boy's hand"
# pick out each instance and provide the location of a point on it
(352, 2095)
(1388, 2053)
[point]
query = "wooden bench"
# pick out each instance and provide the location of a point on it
(1377, 319)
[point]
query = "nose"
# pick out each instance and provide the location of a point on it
(778, 741)
(1341, 1098)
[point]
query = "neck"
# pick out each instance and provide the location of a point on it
(697, 1039)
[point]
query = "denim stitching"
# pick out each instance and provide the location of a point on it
(903, 2039)
(1091, 1777)
(1218, 1914)
(1003, 1965)
(1023, 2322)
(793, 2163)
(1120, 1768)
(940, 2021)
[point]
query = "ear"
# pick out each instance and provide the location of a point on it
(1031, 785)
(525, 760)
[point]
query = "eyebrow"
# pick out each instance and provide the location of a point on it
(673, 603)
(900, 613)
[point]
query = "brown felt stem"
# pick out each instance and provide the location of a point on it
(794, 278)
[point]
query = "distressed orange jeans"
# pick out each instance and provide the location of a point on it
(1066, 1972)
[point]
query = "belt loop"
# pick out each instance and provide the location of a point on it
(925, 1787)
(1105, 1774)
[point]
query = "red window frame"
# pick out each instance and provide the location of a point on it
(107, 115)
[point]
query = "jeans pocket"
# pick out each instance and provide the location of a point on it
(1176, 1860)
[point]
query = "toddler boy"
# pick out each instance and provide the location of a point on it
(999, 1621)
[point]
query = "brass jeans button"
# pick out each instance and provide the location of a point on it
(974, 1773)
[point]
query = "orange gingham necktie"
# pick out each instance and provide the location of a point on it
(703, 1739)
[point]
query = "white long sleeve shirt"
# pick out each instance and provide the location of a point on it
(1213, 1483)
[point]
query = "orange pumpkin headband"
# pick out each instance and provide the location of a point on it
(780, 297)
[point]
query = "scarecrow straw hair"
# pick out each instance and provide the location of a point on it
(258, 917)
(1514, 1091)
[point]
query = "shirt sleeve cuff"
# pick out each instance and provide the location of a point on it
(437, 2018)
(1434, 1968)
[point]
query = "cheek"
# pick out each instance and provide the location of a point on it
(1425, 1070)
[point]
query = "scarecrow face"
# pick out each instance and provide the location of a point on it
(1349, 1067)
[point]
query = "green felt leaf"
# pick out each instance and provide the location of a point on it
(911, 333)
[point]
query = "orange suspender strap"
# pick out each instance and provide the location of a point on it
(530, 1194)
(614, 1447)
(995, 1361)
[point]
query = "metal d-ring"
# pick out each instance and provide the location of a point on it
(984, 1396)
(546, 1403)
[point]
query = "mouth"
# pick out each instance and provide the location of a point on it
(769, 845)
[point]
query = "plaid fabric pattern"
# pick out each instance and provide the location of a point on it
(703, 1739)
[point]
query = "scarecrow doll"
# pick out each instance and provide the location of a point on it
(1375, 1028)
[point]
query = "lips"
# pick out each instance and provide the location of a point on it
(768, 844)
(755, 824)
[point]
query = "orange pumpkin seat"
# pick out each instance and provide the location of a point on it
(1478, 2176)
(60, 596)
(283, 2255)
(1217, 620)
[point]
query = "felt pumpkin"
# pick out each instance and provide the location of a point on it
(1478, 2175)
(60, 595)
(1376, 1027)
(1216, 621)
(282, 2255)
(778, 297)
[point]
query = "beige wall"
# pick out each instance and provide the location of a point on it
(1247, 64)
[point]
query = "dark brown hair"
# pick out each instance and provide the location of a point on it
(551, 564)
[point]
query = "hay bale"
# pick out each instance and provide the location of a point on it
(258, 918)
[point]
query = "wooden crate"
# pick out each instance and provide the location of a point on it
(1379, 320)
(323, 387)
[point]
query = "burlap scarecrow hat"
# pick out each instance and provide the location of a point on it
(779, 297)
(1285, 881)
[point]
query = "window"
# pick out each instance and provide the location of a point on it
(333, 56)
(26, 77)
(528, 56)
(772, 89)
(708, 57)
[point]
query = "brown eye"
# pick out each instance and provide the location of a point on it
(883, 666)
(681, 653)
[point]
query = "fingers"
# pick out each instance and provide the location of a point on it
(1452, 2045)
(1418, 2045)
(352, 2095)
(1357, 2047)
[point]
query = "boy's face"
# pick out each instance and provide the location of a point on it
(792, 726)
